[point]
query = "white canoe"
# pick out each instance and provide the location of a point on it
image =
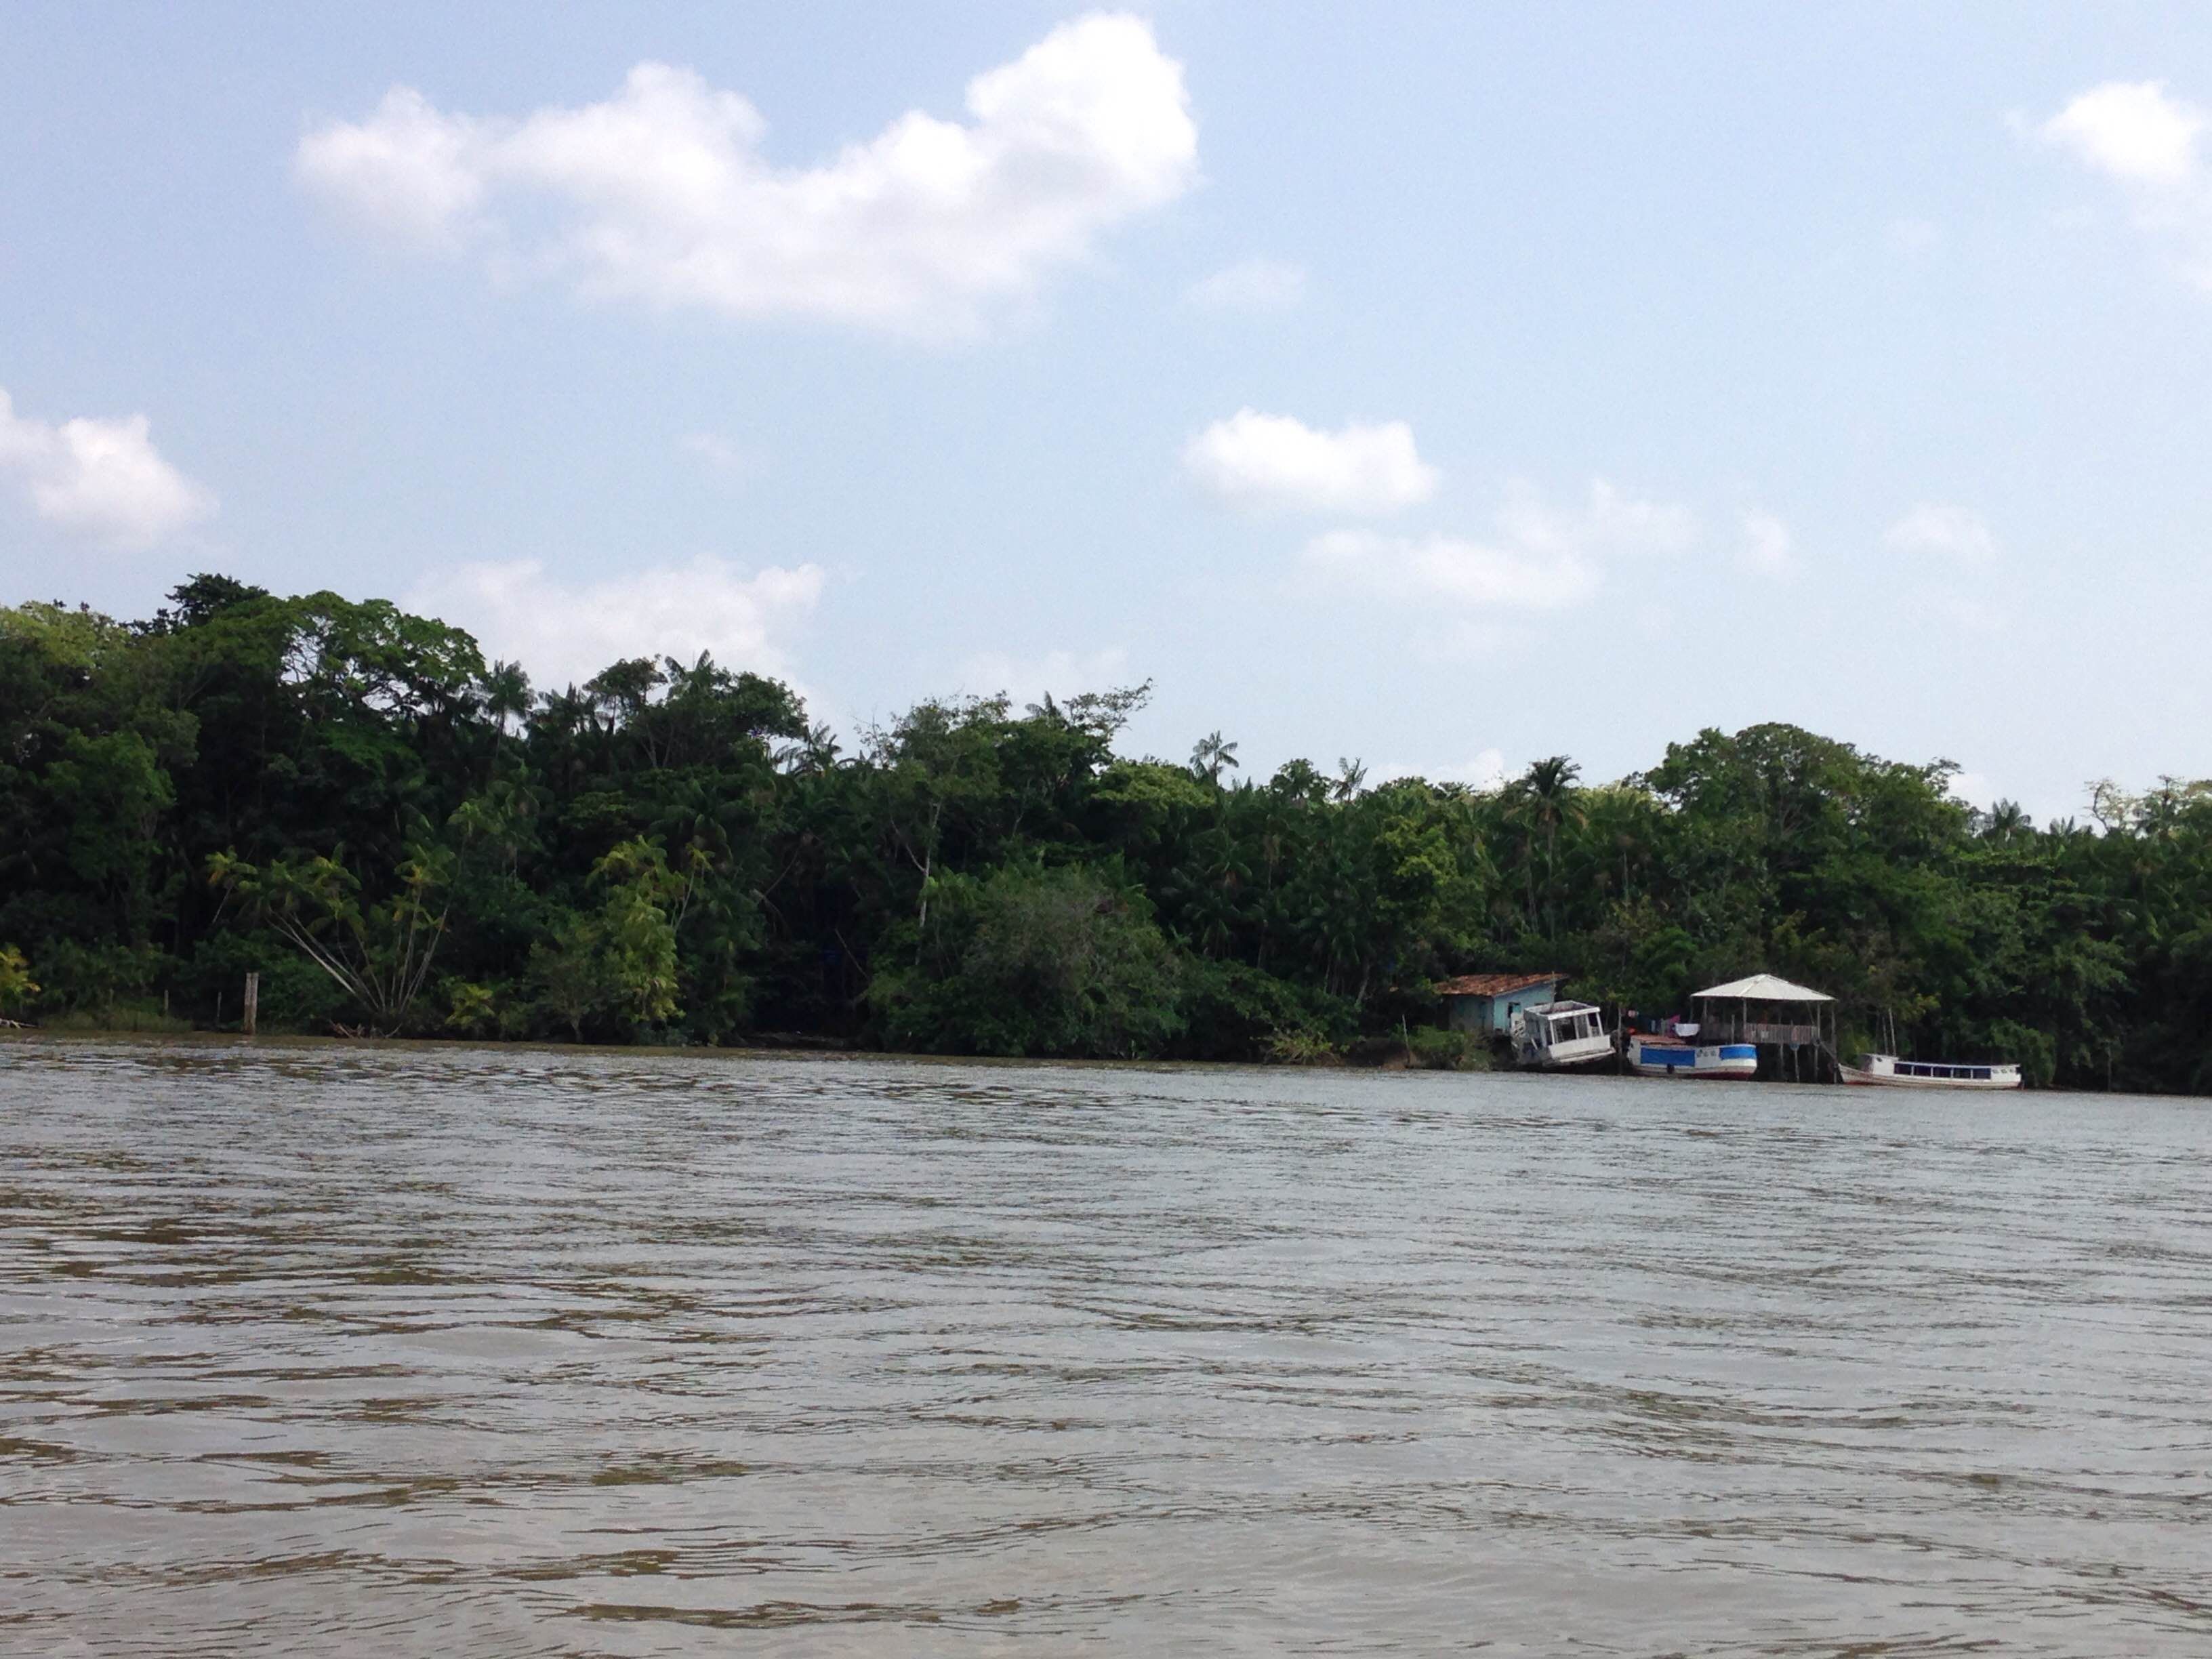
(1888, 1071)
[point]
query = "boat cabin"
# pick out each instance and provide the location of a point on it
(1554, 1034)
(1931, 1069)
(1932, 1073)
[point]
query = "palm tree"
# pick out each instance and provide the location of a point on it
(1546, 799)
(1211, 755)
(1300, 780)
(816, 752)
(1617, 818)
(506, 693)
(2006, 821)
(499, 815)
(1350, 775)
(1206, 892)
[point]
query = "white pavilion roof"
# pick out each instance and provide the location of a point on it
(1765, 988)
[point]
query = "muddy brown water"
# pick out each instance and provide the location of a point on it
(471, 1352)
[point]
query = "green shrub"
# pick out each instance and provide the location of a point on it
(487, 1009)
(1300, 1047)
(118, 1017)
(1034, 961)
(94, 978)
(296, 995)
(1435, 1049)
(17, 987)
(1234, 1011)
(2035, 1052)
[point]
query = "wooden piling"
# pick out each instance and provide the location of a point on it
(252, 1002)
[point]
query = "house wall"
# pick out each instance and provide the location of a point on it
(1494, 1015)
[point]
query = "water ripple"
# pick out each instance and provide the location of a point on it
(443, 1351)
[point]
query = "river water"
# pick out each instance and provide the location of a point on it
(419, 1350)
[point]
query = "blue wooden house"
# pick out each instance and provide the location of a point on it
(1485, 1003)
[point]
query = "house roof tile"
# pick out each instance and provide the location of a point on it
(1492, 985)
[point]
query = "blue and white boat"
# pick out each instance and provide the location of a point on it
(1651, 1055)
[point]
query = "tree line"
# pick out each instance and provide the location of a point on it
(403, 838)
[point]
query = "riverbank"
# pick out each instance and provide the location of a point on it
(681, 851)
(279, 1041)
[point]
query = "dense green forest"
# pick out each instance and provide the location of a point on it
(403, 838)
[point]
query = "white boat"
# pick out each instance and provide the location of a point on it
(1888, 1071)
(1681, 1055)
(1557, 1035)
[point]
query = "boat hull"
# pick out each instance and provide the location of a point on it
(1862, 1078)
(1720, 1060)
(1568, 1056)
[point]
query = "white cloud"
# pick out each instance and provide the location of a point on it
(731, 463)
(1932, 530)
(661, 193)
(1063, 673)
(1454, 569)
(2133, 130)
(564, 632)
(1608, 525)
(1257, 460)
(1475, 575)
(1255, 285)
(407, 172)
(2148, 142)
(1541, 558)
(1769, 549)
(102, 480)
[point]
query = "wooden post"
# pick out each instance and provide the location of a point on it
(252, 1001)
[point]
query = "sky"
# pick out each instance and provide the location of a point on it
(1440, 387)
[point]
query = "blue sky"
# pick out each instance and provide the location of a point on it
(1444, 387)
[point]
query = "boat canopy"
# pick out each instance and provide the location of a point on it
(1763, 988)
